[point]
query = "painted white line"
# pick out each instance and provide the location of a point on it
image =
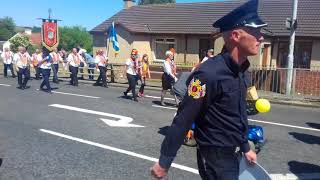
(164, 107)
(253, 120)
(129, 153)
(7, 85)
(295, 177)
(155, 97)
(121, 122)
(80, 95)
(285, 125)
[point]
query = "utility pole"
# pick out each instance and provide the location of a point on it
(293, 26)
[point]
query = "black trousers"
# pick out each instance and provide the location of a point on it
(218, 163)
(74, 75)
(102, 76)
(143, 84)
(38, 71)
(23, 76)
(55, 69)
(45, 75)
(132, 79)
(5, 69)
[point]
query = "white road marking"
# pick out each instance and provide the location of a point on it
(178, 166)
(80, 95)
(164, 107)
(129, 153)
(7, 85)
(122, 122)
(156, 97)
(259, 121)
(285, 125)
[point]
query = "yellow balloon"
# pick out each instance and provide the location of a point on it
(263, 105)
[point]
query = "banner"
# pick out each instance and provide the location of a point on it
(50, 38)
(113, 38)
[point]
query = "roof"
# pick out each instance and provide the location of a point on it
(197, 18)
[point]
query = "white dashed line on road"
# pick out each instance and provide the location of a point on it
(258, 121)
(71, 94)
(129, 153)
(7, 85)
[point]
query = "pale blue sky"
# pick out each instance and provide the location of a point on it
(87, 13)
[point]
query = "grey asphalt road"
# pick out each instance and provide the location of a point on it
(29, 153)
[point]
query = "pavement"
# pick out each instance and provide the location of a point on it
(91, 132)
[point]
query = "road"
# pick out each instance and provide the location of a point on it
(95, 133)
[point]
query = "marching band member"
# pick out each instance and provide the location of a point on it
(7, 57)
(101, 64)
(74, 60)
(22, 61)
(56, 59)
(36, 58)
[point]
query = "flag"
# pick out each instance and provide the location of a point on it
(113, 38)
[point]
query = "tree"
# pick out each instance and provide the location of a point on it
(7, 27)
(36, 29)
(70, 37)
(20, 40)
(142, 2)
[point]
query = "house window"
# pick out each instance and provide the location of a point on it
(162, 45)
(302, 54)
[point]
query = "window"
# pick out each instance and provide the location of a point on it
(162, 45)
(302, 54)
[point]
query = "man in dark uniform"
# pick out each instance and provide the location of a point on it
(216, 102)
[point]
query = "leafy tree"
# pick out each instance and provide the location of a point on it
(36, 29)
(7, 27)
(142, 2)
(70, 37)
(19, 40)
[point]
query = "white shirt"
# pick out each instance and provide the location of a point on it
(46, 62)
(101, 60)
(74, 60)
(22, 60)
(36, 58)
(56, 58)
(7, 57)
(167, 68)
(130, 67)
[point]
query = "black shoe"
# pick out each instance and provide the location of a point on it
(136, 100)
(105, 85)
(19, 87)
(14, 76)
(125, 93)
(95, 84)
(26, 87)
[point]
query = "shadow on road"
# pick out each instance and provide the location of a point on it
(313, 125)
(166, 103)
(164, 130)
(302, 168)
(306, 138)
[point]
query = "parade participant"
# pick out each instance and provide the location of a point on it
(56, 59)
(216, 102)
(82, 63)
(101, 64)
(132, 75)
(144, 73)
(22, 61)
(168, 76)
(45, 66)
(91, 64)
(36, 58)
(7, 57)
(74, 60)
(209, 55)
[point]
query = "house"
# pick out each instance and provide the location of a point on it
(187, 27)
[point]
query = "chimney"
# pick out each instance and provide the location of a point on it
(128, 3)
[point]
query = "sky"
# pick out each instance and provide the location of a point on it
(87, 13)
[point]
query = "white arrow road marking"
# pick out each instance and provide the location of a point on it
(80, 95)
(156, 97)
(122, 122)
(130, 153)
(7, 85)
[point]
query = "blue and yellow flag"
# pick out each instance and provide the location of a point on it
(113, 38)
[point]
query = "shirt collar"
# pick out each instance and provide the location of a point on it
(233, 66)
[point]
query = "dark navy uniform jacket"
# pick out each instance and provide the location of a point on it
(216, 102)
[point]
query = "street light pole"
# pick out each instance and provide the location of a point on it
(291, 47)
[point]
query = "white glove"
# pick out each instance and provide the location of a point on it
(175, 79)
(98, 70)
